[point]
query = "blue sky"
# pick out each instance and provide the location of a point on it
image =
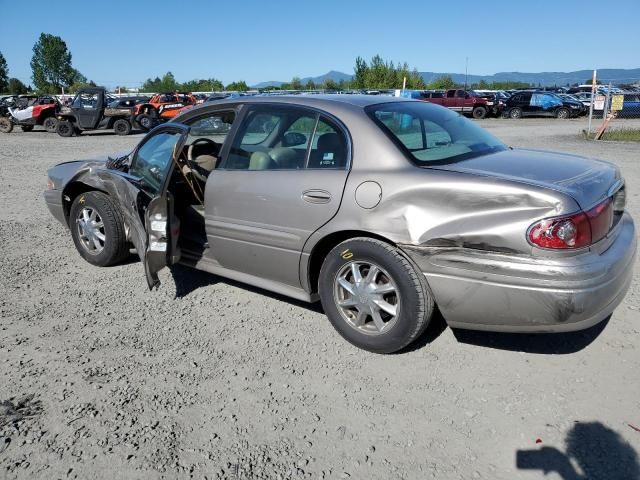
(124, 42)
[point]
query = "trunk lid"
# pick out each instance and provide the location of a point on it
(586, 180)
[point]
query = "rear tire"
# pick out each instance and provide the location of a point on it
(381, 312)
(50, 124)
(65, 128)
(122, 127)
(94, 215)
(515, 113)
(6, 125)
(479, 113)
(26, 128)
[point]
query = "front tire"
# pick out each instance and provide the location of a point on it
(563, 113)
(374, 296)
(122, 127)
(97, 229)
(50, 124)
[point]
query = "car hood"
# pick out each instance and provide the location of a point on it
(586, 180)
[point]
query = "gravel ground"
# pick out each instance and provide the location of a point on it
(207, 378)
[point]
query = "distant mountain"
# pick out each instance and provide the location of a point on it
(613, 75)
(606, 75)
(332, 75)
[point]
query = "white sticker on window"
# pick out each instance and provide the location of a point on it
(158, 246)
(328, 156)
(159, 226)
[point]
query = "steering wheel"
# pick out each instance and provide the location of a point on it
(216, 147)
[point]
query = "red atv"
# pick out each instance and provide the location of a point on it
(29, 111)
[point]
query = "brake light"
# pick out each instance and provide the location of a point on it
(573, 231)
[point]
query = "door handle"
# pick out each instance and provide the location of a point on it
(316, 196)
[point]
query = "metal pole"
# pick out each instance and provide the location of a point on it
(606, 103)
(593, 89)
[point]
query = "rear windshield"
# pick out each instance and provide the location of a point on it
(431, 134)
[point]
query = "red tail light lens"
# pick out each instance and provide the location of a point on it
(574, 231)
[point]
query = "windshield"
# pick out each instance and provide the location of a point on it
(431, 134)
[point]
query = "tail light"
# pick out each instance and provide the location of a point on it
(573, 231)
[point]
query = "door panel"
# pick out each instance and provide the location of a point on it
(258, 221)
(162, 229)
(88, 108)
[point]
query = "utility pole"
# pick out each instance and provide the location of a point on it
(466, 72)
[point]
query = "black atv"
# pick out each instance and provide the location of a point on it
(90, 110)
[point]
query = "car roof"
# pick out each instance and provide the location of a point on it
(318, 101)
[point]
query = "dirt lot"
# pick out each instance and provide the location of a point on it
(206, 378)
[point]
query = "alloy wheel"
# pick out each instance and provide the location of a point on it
(367, 297)
(91, 230)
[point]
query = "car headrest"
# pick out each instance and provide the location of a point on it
(331, 149)
(284, 157)
(261, 161)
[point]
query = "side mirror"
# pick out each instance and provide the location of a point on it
(291, 139)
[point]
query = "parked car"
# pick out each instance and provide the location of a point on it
(90, 110)
(630, 106)
(380, 207)
(27, 112)
(540, 103)
(574, 104)
(466, 102)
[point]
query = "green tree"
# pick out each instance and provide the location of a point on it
(443, 82)
(168, 83)
(310, 85)
(360, 73)
(151, 85)
(202, 85)
(295, 84)
(4, 74)
(51, 64)
(239, 86)
(16, 87)
(330, 84)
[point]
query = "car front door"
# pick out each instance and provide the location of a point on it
(88, 108)
(281, 179)
(145, 202)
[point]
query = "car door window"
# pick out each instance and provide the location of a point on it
(86, 101)
(329, 148)
(273, 138)
(152, 160)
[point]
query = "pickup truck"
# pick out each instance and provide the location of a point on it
(466, 102)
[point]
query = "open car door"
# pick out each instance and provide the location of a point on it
(146, 203)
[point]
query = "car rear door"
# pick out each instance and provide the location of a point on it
(271, 192)
(145, 201)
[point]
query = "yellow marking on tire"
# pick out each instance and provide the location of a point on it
(347, 254)
(81, 199)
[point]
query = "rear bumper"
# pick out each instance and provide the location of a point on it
(507, 293)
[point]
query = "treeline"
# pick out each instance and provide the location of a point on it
(168, 83)
(53, 71)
